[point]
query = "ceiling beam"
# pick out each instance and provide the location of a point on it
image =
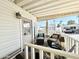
(51, 5)
(57, 16)
(23, 2)
(56, 7)
(59, 10)
(31, 3)
(17, 1)
(11, 0)
(40, 3)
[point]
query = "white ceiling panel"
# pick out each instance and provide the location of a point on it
(41, 8)
(39, 4)
(51, 5)
(68, 7)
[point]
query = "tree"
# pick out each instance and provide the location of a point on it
(71, 22)
(58, 25)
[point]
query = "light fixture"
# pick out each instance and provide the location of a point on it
(18, 15)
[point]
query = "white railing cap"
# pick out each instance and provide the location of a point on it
(54, 51)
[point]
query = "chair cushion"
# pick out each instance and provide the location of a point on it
(56, 36)
(40, 41)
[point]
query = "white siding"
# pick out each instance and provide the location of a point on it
(10, 29)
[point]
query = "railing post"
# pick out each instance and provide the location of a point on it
(32, 53)
(76, 47)
(68, 58)
(73, 44)
(70, 43)
(52, 56)
(66, 42)
(41, 54)
(26, 52)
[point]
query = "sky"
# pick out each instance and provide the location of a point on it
(64, 20)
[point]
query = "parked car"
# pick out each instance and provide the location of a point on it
(70, 29)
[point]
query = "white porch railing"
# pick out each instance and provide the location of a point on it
(52, 52)
(69, 42)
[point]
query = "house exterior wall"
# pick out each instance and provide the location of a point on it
(10, 27)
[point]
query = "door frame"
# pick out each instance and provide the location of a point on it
(31, 31)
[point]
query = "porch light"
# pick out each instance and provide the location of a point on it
(18, 15)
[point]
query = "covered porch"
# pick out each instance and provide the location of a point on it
(20, 34)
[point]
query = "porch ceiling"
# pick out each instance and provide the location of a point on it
(47, 8)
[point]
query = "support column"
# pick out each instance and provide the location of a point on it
(46, 26)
